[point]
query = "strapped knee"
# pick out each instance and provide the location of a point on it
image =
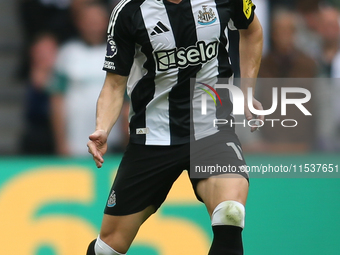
(228, 213)
(102, 248)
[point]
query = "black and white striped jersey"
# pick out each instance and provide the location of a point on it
(161, 46)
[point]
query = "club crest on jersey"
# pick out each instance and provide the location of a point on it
(112, 199)
(206, 17)
(111, 49)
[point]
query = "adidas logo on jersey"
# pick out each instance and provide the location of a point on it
(142, 131)
(159, 28)
(183, 57)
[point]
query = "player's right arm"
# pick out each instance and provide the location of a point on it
(119, 58)
(109, 106)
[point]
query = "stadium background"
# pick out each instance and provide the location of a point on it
(53, 206)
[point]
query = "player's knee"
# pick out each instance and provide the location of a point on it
(228, 213)
(101, 248)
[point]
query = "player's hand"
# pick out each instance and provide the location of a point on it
(249, 116)
(98, 146)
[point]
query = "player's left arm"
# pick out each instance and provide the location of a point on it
(251, 43)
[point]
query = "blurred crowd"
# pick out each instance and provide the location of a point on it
(63, 76)
(66, 46)
(304, 42)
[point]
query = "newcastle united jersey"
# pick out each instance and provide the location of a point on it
(161, 46)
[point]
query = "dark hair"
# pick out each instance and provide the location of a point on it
(307, 6)
(43, 34)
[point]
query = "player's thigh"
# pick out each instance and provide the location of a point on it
(228, 181)
(119, 231)
(215, 190)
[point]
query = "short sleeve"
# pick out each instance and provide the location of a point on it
(242, 14)
(58, 84)
(120, 48)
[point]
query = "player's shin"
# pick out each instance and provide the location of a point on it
(227, 223)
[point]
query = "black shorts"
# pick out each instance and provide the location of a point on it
(147, 173)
